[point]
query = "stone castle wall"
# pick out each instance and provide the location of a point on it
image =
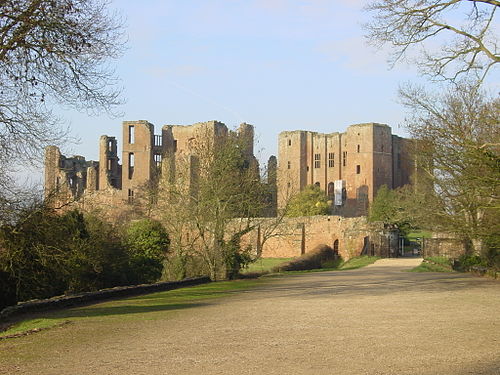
(293, 237)
(446, 247)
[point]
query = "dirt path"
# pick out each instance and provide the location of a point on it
(375, 320)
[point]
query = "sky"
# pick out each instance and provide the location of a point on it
(276, 64)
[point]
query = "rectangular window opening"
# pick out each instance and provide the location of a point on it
(289, 165)
(317, 160)
(331, 159)
(131, 134)
(131, 165)
(358, 169)
(158, 140)
(344, 161)
(130, 195)
(157, 159)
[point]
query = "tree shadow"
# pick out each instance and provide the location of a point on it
(123, 309)
(365, 282)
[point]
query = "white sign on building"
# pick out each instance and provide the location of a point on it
(339, 188)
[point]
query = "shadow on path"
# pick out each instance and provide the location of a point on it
(371, 281)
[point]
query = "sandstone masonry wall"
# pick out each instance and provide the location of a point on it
(295, 236)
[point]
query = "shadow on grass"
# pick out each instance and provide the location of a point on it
(96, 311)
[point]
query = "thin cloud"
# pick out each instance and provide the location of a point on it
(185, 70)
(355, 54)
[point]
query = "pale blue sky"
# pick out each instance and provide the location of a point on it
(277, 64)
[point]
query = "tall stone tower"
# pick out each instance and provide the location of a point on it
(137, 157)
(109, 168)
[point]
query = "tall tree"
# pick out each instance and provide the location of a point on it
(200, 193)
(455, 37)
(52, 52)
(458, 141)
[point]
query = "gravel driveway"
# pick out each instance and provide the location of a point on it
(375, 320)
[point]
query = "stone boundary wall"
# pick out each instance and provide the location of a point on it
(101, 295)
(447, 247)
(294, 236)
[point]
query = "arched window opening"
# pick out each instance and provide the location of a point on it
(336, 246)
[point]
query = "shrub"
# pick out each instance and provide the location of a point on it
(147, 243)
(317, 258)
(98, 259)
(465, 262)
(236, 258)
(492, 252)
(309, 202)
(441, 260)
(47, 254)
(178, 266)
(7, 291)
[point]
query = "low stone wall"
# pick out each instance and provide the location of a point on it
(448, 247)
(91, 297)
(292, 237)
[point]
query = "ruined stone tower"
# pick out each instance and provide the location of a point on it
(145, 156)
(349, 167)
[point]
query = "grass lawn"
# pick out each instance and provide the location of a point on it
(150, 306)
(265, 264)
(351, 264)
(155, 305)
(358, 262)
(434, 264)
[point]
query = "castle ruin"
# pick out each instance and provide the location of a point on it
(109, 185)
(349, 167)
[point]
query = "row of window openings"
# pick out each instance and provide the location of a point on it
(158, 139)
(131, 163)
(331, 161)
(330, 164)
(358, 146)
(317, 160)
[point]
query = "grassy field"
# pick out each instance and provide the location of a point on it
(153, 306)
(135, 308)
(358, 262)
(265, 264)
(434, 264)
(351, 264)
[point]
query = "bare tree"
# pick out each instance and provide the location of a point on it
(201, 191)
(52, 52)
(458, 149)
(465, 30)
